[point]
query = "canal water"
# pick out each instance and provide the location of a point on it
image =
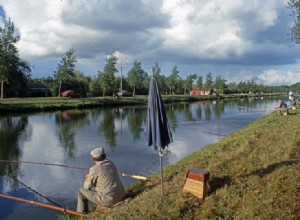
(67, 137)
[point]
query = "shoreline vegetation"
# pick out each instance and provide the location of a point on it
(254, 172)
(48, 104)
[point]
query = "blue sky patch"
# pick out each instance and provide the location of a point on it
(2, 13)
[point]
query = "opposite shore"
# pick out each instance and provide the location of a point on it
(46, 104)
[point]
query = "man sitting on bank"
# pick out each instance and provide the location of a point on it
(104, 177)
(282, 107)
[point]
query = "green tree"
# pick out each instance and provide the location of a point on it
(188, 82)
(135, 76)
(156, 71)
(220, 84)
(13, 70)
(163, 84)
(49, 82)
(66, 69)
(108, 77)
(160, 78)
(172, 80)
(146, 82)
(169, 84)
(209, 81)
(294, 5)
(95, 86)
(3, 69)
(232, 87)
(81, 82)
(200, 82)
(241, 87)
(98, 84)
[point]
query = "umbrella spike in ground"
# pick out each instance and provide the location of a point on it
(157, 130)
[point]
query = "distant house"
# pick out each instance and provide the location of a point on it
(195, 91)
(35, 89)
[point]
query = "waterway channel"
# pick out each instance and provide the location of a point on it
(67, 137)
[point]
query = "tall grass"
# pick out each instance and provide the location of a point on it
(254, 174)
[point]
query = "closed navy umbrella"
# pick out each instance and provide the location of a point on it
(157, 130)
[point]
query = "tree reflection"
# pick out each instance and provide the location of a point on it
(107, 126)
(219, 108)
(11, 128)
(135, 119)
(171, 115)
(199, 111)
(187, 112)
(68, 122)
(207, 111)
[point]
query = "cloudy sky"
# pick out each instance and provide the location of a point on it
(235, 39)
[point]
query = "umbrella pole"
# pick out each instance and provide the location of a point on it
(161, 171)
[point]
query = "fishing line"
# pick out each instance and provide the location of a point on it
(252, 109)
(167, 150)
(221, 121)
(42, 163)
(215, 121)
(152, 163)
(36, 192)
(29, 188)
(237, 125)
(247, 113)
(214, 133)
(70, 166)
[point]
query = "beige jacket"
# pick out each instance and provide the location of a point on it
(104, 177)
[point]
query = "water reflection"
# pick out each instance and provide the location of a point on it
(68, 122)
(11, 131)
(67, 138)
(107, 126)
(135, 119)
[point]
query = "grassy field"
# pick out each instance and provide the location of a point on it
(254, 174)
(21, 105)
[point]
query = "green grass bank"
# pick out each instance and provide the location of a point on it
(48, 104)
(254, 174)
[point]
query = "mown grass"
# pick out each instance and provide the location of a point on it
(254, 174)
(53, 104)
(23, 105)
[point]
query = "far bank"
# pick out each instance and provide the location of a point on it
(26, 105)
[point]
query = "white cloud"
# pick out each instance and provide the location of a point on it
(191, 34)
(277, 77)
(217, 29)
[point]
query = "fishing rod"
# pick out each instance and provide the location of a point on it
(60, 209)
(214, 133)
(70, 166)
(56, 207)
(36, 192)
(214, 121)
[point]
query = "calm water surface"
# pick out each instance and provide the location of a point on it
(68, 137)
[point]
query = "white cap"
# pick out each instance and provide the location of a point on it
(97, 152)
